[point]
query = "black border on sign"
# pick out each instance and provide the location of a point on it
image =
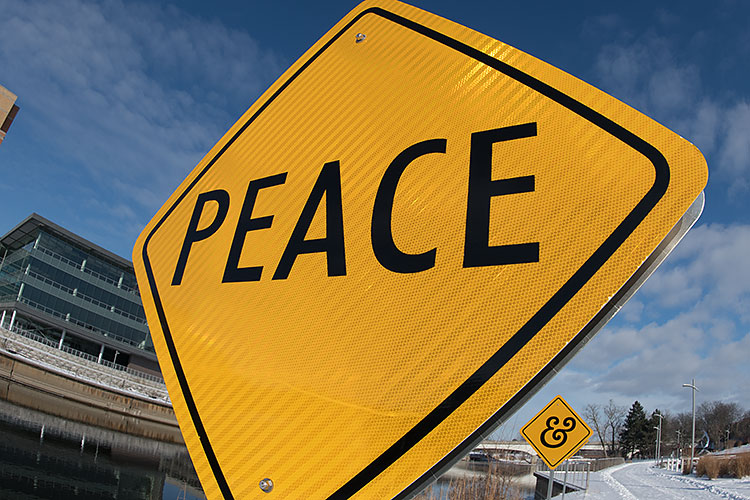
(512, 346)
(574, 447)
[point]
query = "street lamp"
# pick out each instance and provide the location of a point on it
(692, 444)
(726, 441)
(658, 439)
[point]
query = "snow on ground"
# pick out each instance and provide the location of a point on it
(641, 481)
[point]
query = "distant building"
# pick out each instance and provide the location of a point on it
(8, 110)
(70, 291)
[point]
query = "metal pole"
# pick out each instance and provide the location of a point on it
(549, 483)
(565, 480)
(658, 448)
(658, 440)
(5, 254)
(692, 442)
(726, 441)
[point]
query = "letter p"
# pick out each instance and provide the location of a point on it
(194, 234)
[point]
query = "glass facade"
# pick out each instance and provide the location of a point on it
(61, 278)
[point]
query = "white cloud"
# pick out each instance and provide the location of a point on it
(735, 153)
(708, 278)
(704, 128)
(646, 73)
(650, 354)
(134, 93)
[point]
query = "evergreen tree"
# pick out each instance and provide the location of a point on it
(634, 434)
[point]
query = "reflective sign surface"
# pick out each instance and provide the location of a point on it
(391, 250)
(556, 432)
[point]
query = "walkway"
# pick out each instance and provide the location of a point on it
(640, 481)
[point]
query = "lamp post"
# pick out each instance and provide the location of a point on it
(658, 439)
(726, 441)
(692, 386)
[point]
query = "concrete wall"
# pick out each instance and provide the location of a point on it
(33, 386)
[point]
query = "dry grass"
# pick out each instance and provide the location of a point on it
(496, 485)
(737, 466)
(740, 465)
(708, 466)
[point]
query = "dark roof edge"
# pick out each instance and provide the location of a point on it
(95, 249)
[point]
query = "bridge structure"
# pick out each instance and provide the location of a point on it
(512, 447)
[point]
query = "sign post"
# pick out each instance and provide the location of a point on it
(392, 249)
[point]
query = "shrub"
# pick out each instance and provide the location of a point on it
(739, 466)
(723, 466)
(708, 466)
(725, 469)
(498, 484)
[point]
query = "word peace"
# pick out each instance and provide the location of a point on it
(477, 251)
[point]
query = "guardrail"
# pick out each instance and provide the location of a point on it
(678, 464)
(573, 472)
(52, 312)
(82, 365)
(96, 275)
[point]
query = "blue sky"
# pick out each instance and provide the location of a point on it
(120, 100)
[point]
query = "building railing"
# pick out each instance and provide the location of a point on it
(14, 257)
(82, 365)
(96, 275)
(141, 345)
(75, 293)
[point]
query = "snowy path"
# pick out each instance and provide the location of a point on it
(640, 481)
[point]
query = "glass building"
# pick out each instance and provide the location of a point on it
(70, 291)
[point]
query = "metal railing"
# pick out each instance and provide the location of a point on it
(96, 275)
(81, 365)
(672, 464)
(75, 293)
(84, 355)
(678, 464)
(70, 319)
(573, 473)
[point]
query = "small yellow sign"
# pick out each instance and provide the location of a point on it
(556, 432)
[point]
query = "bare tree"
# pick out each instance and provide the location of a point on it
(715, 418)
(668, 433)
(594, 417)
(613, 418)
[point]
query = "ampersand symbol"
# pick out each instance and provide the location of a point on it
(559, 434)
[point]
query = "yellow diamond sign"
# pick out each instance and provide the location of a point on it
(556, 432)
(392, 249)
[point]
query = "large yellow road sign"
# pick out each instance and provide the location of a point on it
(391, 250)
(556, 432)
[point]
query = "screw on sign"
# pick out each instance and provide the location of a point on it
(410, 279)
(556, 432)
